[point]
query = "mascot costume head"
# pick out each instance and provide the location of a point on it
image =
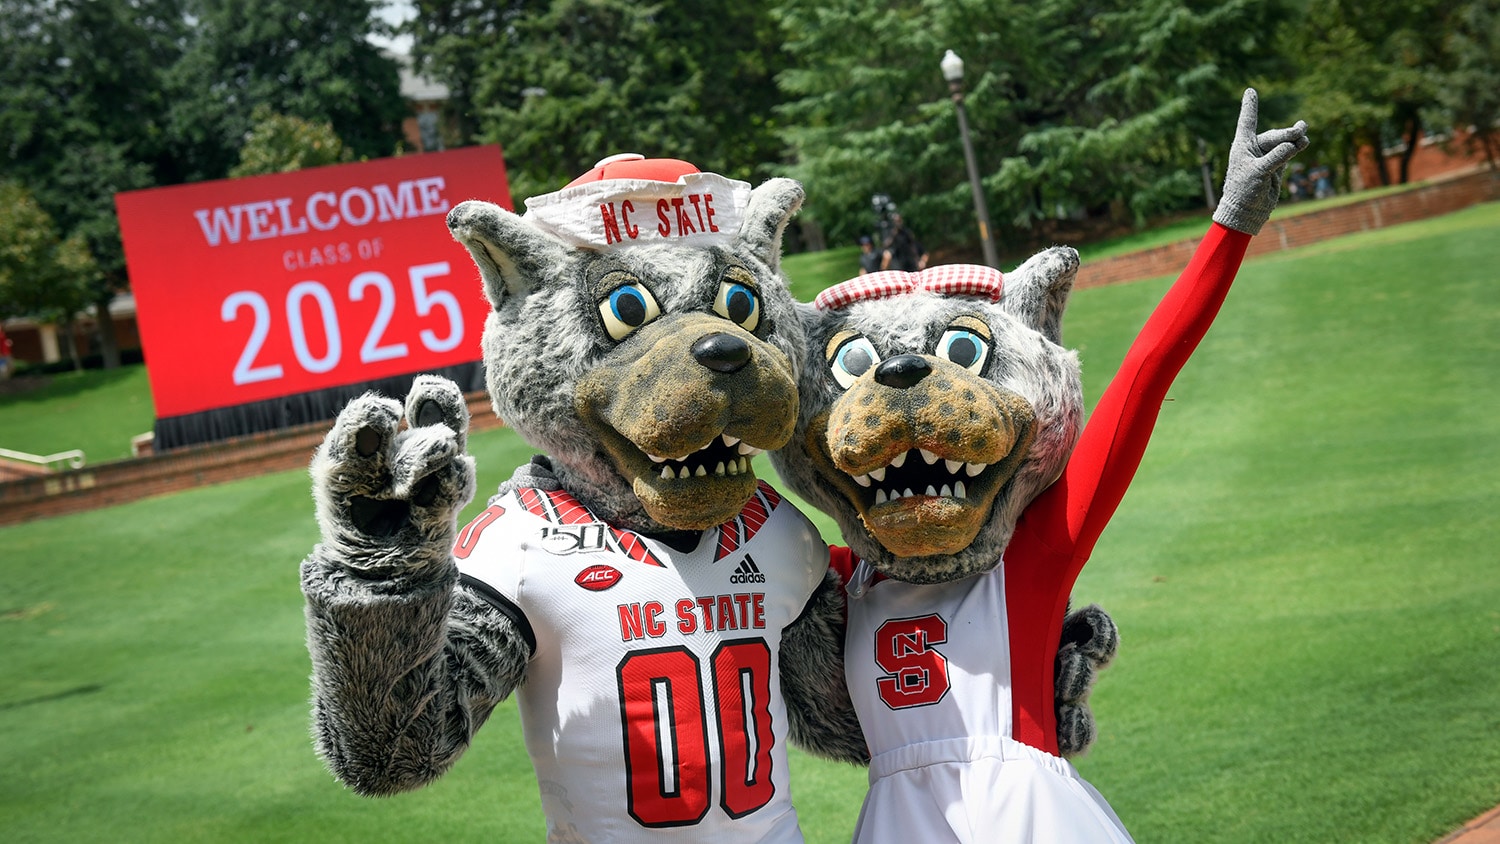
(944, 403)
(642, 336)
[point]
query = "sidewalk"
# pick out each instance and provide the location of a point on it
(1484, 829)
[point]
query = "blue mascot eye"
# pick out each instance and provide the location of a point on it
(965, 348)
(627, 308)
(739, 304)
(853, 358)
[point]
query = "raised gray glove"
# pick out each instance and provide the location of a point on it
(1087, 645)
(388, 499)
(1252, 183)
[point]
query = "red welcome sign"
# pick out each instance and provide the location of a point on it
(249, 289)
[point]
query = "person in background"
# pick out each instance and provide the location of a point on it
(869, 259)
(902, 249)
(1322, 179)
(5, 358)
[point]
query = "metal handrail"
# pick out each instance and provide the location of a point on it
(73, 457)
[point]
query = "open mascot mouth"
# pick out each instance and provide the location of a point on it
(922, 481)
(707, 486)
(920, 503)
(682, 431)
(919, 472)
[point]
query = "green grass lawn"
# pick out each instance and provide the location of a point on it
(1304, 574)
(67, 412)
(810, 272)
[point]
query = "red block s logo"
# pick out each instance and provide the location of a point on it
(916, 674)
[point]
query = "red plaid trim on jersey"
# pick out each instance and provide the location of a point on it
(944, 280)
(743, 528)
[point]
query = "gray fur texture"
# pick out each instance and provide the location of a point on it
(819, 709)
(1024, 361)
(1089, 643)
(405, 666)
(544, 334)
(407, 662)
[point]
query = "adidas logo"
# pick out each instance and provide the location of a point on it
(748, 572)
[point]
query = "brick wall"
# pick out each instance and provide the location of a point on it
(119, 481)
(1293, 230)
(1434, 159)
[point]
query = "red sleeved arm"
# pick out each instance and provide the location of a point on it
(1058, 530)
(1074, 510)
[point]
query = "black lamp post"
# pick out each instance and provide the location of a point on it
(953, 71)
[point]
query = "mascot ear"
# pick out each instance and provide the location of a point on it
(1036, 292)
(511, 253)
(771, 206)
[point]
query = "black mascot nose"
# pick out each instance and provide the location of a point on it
(902, 371)
(722, 352)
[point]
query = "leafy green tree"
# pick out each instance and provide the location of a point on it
(1369, 73)
(450, 39)
(310, 61)
(1469, 94)
(41, 276)
(1077, 107)
(83, 112)
(562, 83)
(280, 143)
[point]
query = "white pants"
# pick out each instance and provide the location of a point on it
(987, 789)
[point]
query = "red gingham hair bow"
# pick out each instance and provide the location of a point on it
(945, 280)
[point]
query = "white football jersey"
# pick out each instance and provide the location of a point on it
(652, 704)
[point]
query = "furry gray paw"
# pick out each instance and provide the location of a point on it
(388, 497)
(1088, 644)
(1252, 182)
(1093, 633)
(1075, 730)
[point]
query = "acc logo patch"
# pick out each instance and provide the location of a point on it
(598, 578)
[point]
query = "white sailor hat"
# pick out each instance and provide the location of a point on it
(630, 200)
